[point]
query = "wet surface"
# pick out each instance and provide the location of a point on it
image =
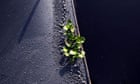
(112, 30)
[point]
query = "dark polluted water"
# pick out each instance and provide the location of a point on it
(112, 31)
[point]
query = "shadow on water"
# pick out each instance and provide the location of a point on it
(28, 21)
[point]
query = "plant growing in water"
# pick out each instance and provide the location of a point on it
(73, 43)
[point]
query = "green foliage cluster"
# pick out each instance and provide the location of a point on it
(73, 43)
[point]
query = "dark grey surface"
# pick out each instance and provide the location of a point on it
(112, 30)
(28, 60)
(29, 50)
(13, 16)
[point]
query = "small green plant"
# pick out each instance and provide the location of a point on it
(73, 43)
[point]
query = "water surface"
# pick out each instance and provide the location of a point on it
(112, 30)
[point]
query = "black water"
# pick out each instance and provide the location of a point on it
(112, 30)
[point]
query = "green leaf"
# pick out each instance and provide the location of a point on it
(73, 42)
(78, 46)
(72, 52)
(82, 54)
(67, 44)
(80, 39)
(72, 29)
(69, 26)
(65, 49)
(66, 27)
(66, 54)
(69, 21)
